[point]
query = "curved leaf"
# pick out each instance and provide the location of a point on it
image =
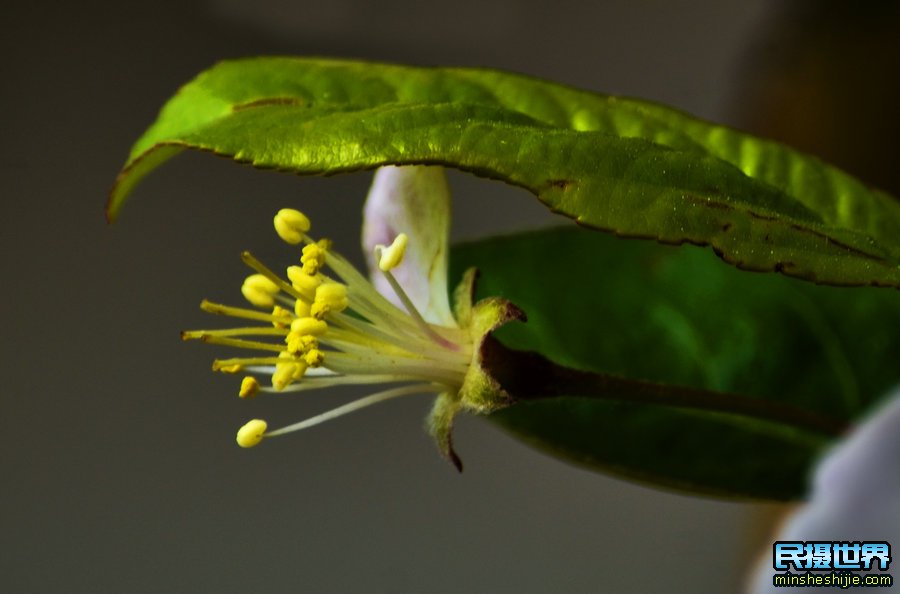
(616, 164)
(675, 316)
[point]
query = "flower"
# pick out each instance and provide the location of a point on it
(325, 324)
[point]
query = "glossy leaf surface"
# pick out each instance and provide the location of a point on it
(677, 316)
(611, 163)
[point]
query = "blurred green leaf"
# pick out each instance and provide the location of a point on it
(611, 163)
(676, 316)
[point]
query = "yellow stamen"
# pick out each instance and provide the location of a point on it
(331, 292)
(354, 406)
(236, 312)
(330, 297)
(309, 326)
(392, 256)
(249, 387)
(263, 270)
(237, 342)
(373, 342)
(251, 433)
(314, 357)
(283, 376)
(259, 290)
(305, 284)
(291, 225)
(251, 331)
(282, 317)
(414, 313)
(313, 259)
(300, 343)
(289, 369)
(301, 308)
(237, 364)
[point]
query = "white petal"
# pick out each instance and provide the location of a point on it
(414, 200)
(856, 491)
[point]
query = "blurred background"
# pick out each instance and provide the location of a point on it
(120, 471)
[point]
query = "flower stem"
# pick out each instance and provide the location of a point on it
(530, 376)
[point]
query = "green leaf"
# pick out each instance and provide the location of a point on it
(676, 316)
(615, 164)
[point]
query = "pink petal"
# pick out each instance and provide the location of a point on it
(414, 200)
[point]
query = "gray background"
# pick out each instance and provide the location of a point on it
(119, 468)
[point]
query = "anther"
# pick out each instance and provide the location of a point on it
(313, 259)
(330, 297)
(291, 225)
(282, 317)
(249, 387)
(331, 293)
(301, 308)
(252, 433)
(288, 372)
(299, 343)
(259, 290)
(390, 257)
(309, 326)
(305, 284)
(314, 357)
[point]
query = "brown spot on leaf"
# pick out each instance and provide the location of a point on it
(784, 266)
(761, 217)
